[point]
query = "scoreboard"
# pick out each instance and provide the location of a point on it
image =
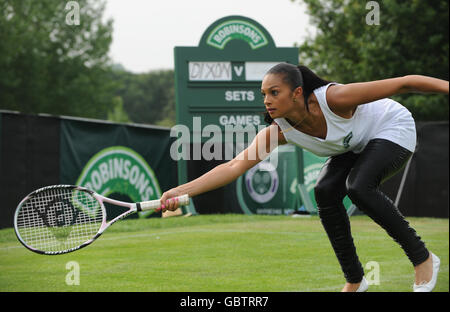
(218, 91)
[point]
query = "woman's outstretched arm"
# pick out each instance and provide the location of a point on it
(347, 97)
(262, 145)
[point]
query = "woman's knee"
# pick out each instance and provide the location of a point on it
(364, 193)
(327, 193)
(356, 191)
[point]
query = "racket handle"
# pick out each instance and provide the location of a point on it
(183, 200)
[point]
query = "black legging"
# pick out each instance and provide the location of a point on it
(359, 176)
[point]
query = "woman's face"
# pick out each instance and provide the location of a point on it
(277, 96)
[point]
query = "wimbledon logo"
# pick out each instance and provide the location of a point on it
(119, 169)
(262, 182)
(237, 29)
(261, 185)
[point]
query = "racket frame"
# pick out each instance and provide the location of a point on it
(132, 208)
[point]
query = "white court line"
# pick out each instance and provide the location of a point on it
(10, 247)
(114, 237)
(209, 231)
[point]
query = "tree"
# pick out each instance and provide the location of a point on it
(148, 97)
(117, 113)
(49, 65)
(411, 38)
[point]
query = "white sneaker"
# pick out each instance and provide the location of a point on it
(428, 287)
(363, 286)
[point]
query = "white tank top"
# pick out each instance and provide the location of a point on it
(384, 119)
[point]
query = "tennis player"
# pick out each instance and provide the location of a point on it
(367, 137)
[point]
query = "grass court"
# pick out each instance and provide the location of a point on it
(220, 253)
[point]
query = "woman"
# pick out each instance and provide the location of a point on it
(367, 137)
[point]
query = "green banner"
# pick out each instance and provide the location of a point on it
(117, 161)
(270, 189)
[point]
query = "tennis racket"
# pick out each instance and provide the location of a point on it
(59, 219)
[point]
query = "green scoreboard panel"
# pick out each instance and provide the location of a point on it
(220, 79)
(218, 101)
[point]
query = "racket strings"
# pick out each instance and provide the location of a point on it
(59, 219)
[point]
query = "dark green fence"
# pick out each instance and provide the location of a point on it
(133, 163)
(121, 161)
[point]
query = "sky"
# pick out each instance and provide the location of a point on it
(146, 31)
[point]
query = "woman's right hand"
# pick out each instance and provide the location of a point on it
(262, 145)
(169, 201)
